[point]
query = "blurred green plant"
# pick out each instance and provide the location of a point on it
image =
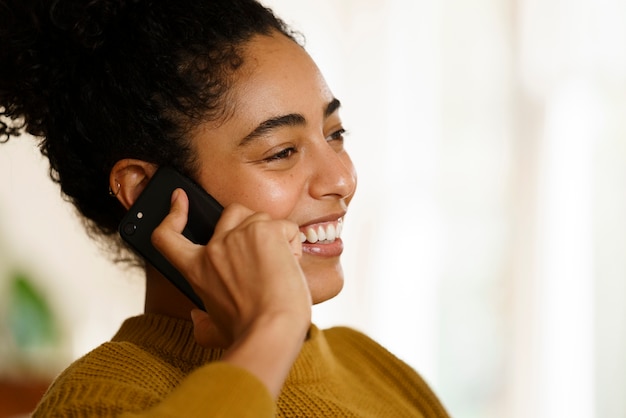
(33, 345)
(30, 319)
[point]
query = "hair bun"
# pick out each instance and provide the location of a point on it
(88, 22)
(42, 44)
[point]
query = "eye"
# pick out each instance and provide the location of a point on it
(282, 154)
(338, 135)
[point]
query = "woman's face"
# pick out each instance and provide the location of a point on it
(281, 152)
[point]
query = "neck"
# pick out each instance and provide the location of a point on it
(162, 297)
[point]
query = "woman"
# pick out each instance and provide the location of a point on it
(222, 92)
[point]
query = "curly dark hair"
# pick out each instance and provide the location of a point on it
(102, 80)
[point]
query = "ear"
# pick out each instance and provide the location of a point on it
(128, 178)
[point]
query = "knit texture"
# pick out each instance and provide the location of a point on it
(154, 368)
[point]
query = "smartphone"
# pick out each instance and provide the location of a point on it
(151, 207)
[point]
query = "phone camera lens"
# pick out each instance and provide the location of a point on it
(130, 228)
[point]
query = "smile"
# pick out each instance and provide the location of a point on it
(325, 233)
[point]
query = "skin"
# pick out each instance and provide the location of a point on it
(278, 166)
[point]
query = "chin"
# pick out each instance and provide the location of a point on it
(327, 293)
(324, 283)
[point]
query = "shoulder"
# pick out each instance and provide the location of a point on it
(345, 341)
(358, 352)
(113, 376)
(121, 377)
(345, 337)
(371, 360)
(122, 361)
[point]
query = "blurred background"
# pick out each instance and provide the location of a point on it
(486, 245)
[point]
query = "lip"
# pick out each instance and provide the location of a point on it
(334, 249)
(325, 219)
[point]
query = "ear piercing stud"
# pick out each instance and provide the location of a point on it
(115, 193)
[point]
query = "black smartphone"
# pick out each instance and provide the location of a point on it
(151, 207)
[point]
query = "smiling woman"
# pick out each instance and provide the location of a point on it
(221, 92)
(283, 156)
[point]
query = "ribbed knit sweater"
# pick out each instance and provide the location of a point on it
(154, 368)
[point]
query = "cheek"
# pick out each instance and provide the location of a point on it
(277, 197)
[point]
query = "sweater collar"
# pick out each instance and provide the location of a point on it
(172, 339)
(167, 338)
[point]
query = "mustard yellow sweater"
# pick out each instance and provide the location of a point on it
(154, 368)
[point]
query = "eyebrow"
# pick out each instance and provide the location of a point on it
(290, 120)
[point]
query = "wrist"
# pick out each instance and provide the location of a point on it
(269, 348)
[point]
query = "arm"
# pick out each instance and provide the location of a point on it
(216, 390)
(259, 309)
(249, 278)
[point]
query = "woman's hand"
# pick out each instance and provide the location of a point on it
(250, 281)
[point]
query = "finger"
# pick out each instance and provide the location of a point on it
(236, 215)
(167, 238)
(292, 234)
(179, 206)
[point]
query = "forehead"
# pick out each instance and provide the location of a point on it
(277, 76)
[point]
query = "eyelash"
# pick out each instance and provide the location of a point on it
(337, 135)
(288, 152)
(283, 154)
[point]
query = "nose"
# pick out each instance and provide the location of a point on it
(333, 173)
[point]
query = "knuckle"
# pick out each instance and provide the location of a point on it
(260, 229)
(235, 209)
(214, 250)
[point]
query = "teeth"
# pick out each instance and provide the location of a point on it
(331, 233)
(311, 235)
(326, 233)
(321, 234)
